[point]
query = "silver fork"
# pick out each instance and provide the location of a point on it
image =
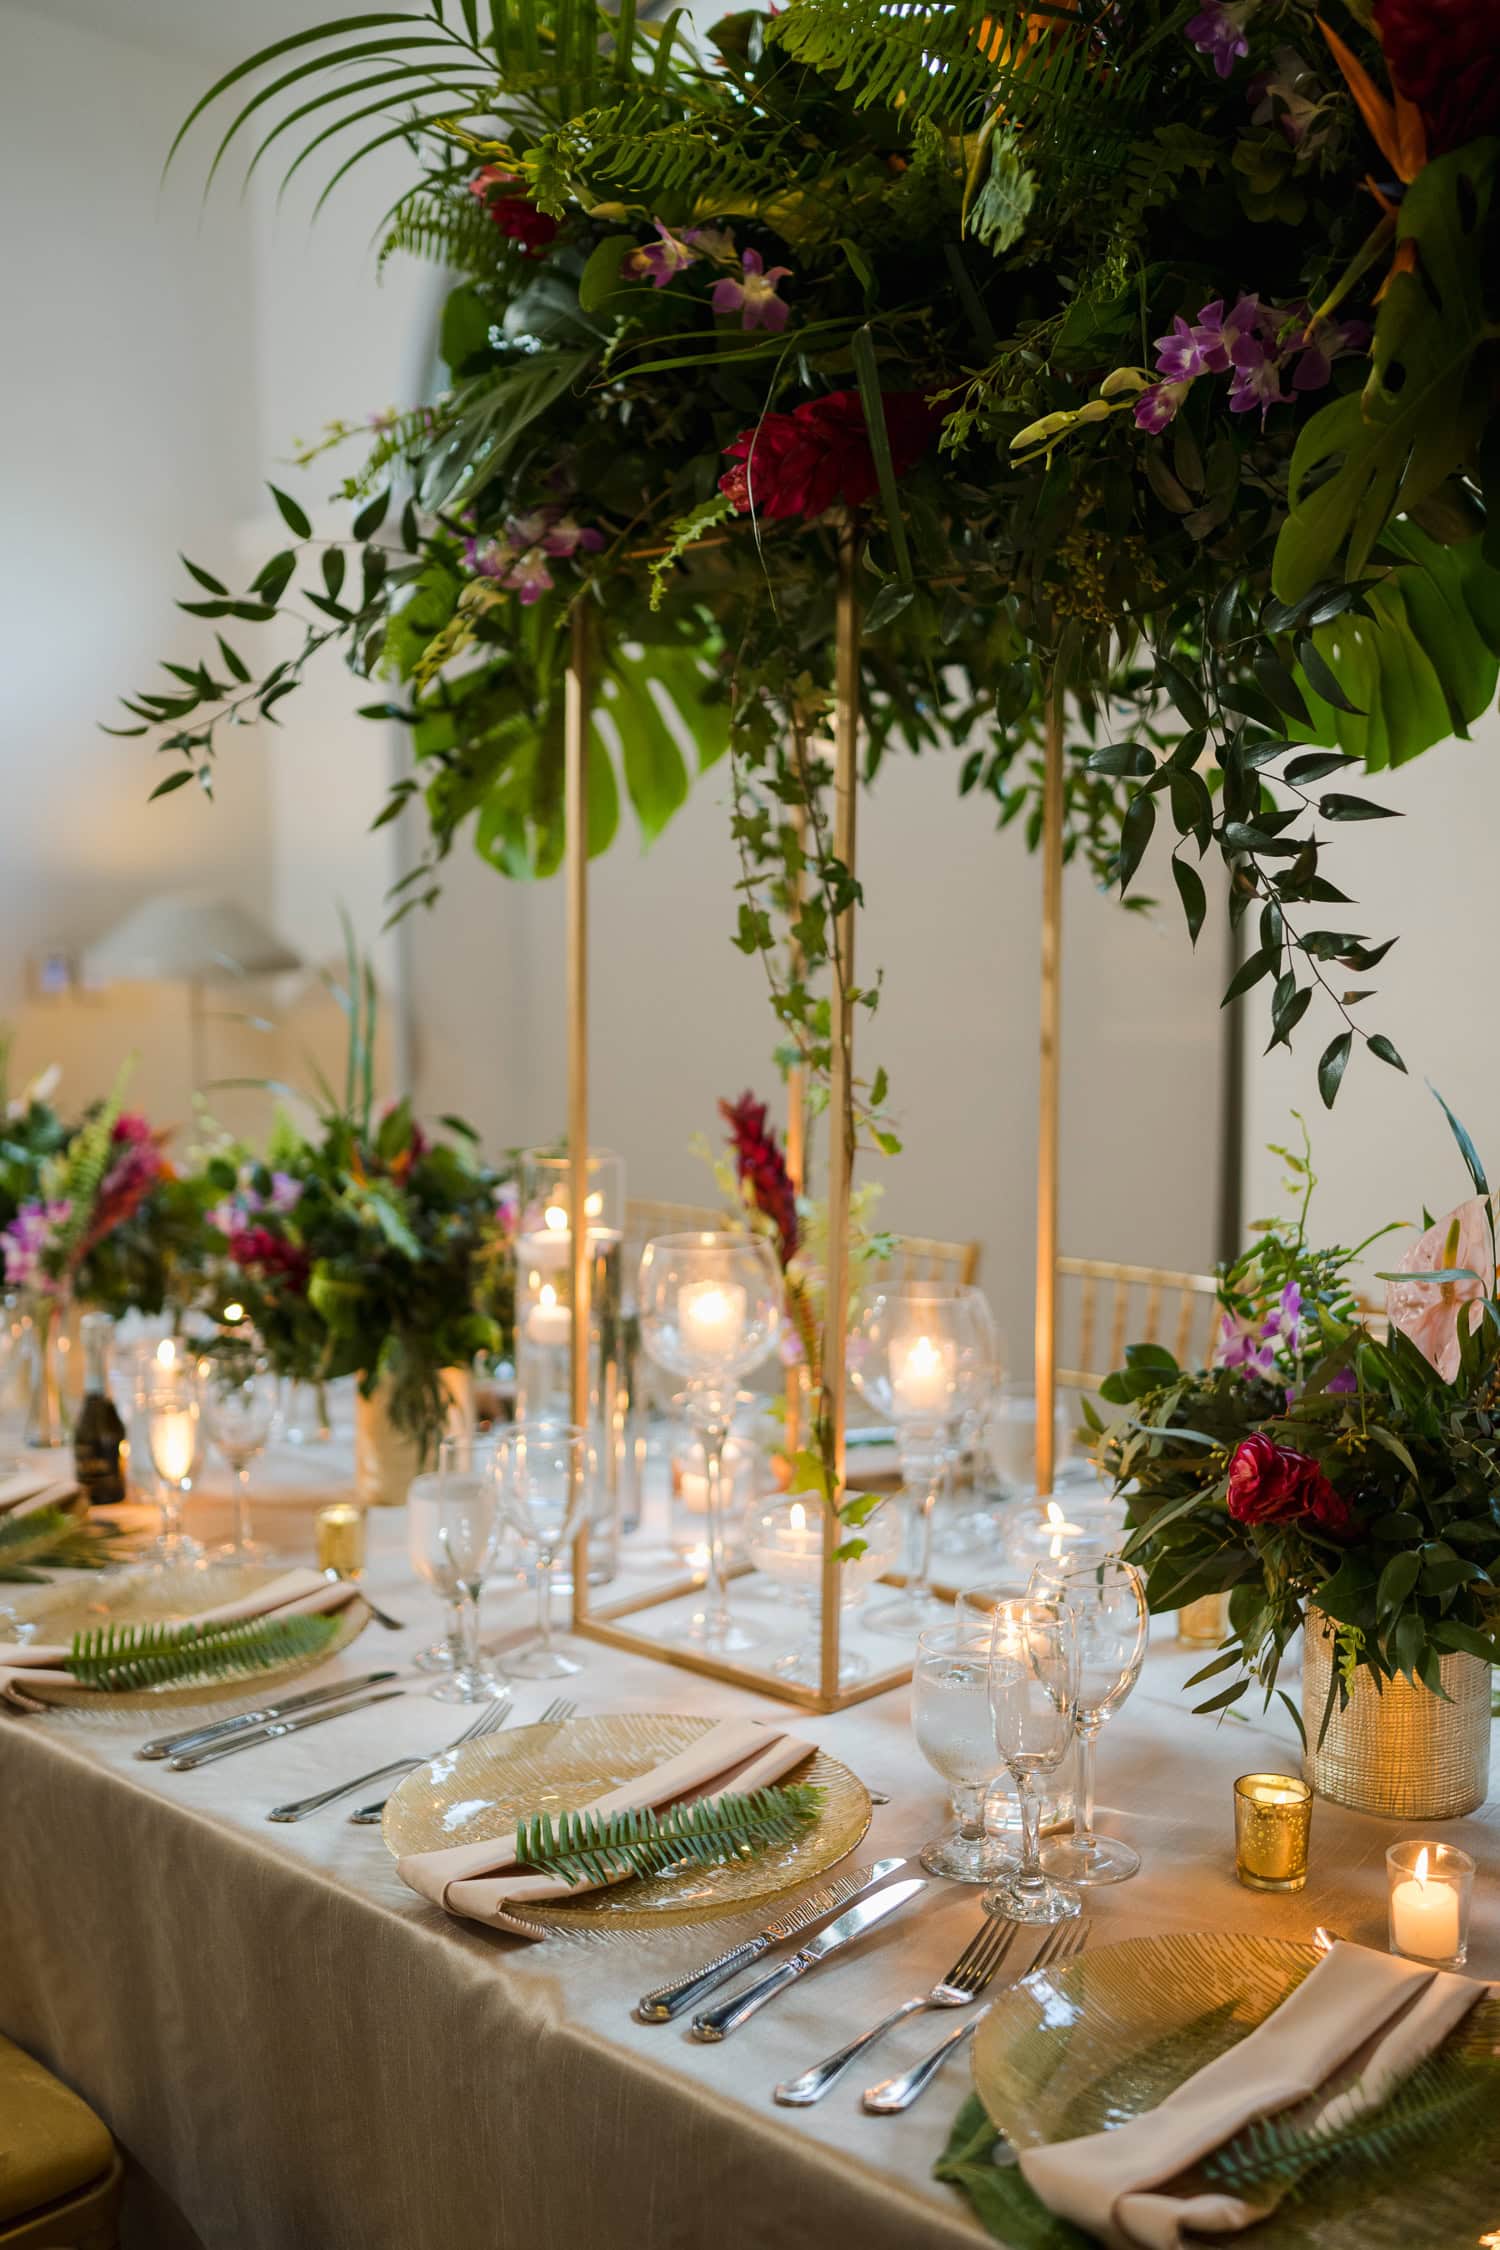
(367, 1815)
(964, 1982)
(493, 1715)
(893, 2094)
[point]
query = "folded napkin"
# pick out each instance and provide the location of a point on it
(32, 1668)
(479, 1880)
(29, 1489)
(1345, 2038)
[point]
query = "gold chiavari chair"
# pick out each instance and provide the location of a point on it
(919, 1257)
(646, 1218)
(1118, 1305)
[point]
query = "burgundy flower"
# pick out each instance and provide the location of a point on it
(1444, 56)
(515, 215)
(760, 1161)
(1272, 1484)
(799, 464)
(270, 1257)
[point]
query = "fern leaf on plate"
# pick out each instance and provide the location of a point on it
(1445, 2099)
(51, 1538)
(130, 1657)
(589, 1847)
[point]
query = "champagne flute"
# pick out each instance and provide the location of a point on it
(239, 1408)
(548, 1473)
(174, 1432)
(1033, 1684)
(1107, 1599)
(453, 1526)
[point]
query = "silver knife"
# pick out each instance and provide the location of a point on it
(717, 2023)
(669, 2000)
(164, 1744)
(276, 1729)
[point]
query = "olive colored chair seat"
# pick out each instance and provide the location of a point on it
(60, 2171)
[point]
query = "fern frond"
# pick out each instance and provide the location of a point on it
(84, 1166)
(54, 1538)
(460, 235)
(121, 1657)
(685, 533)
(1442, 2096)
(587, 1847)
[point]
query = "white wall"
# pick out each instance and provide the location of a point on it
(1385, 1149)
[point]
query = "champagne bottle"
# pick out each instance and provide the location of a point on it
(98, 1434)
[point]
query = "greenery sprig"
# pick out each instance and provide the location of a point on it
(590, 1847)
(121, 1658)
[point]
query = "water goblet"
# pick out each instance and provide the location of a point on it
(548, 1474)
(239, 1397)
(174, 1434)
(453, 1525)
(1107, 1599)
(950, 1716)
(710, 1312)
(922, 1354)
(1033, 1685)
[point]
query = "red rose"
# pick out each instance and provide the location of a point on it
(1444, 56)
(798, 464)
(1272, 1484)
(256, 1249)
(515, 215)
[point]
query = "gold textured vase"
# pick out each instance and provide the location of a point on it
(1398, 1749)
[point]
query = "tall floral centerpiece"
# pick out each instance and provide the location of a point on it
(1341, 1484)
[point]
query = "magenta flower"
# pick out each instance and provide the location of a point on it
(564, 535)
(1180, 356)
(1158, 406)
(1257, 378)
(1218, 332)
(529, 577)
(754, 298)
(661, 261)
(1320, 343)
(27, 1240)
(1218, 31)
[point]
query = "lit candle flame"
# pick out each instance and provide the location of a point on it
(799, 1516)
(166, 1353)
(1420, 1870)
(592, 1206)
(234, 1312)
(557, 1219)
(548, 1297)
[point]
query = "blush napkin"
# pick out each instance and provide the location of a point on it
(30, 1488)
(481, 1881)
(1356, 2026)
(34, 1667)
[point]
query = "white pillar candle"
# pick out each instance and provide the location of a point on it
(922, 1375)
(1424, 1915)
(711, 1322)
(790, 1549)
(549, 1322)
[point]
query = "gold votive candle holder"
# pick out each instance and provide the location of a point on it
(1272, 1816)
(1205, 1622)
(341, 1539)
(1429, 1887)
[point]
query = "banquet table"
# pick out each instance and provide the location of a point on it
(298, 2053)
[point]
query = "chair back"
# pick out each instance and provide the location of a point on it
(920, 1257)
(1103, 1306)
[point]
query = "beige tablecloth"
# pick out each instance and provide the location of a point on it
(300, 2054)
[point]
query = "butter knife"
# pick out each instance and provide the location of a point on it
(718, 2022)
(165, 1744)
(669, 2000)
(276, 1729)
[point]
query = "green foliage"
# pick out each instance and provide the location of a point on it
(51, 1538)
(1436, 2110)
(590, 1847)
(996, 2191)
(123, 1658)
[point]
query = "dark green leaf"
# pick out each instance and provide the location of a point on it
(1321, 680)
(294, 517)
(1191, 892)
(372, 515)
(1378, 1044)
(1338, 807)
(205, 578)
(1331, 1067)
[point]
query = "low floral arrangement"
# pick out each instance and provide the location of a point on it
(1321, 1466)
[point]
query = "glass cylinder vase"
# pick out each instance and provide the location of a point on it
(46, 1344)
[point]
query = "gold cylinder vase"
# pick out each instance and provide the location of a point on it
(1398, 1749)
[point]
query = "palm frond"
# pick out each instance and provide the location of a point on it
(588, 1847)
(1445, 2096)
(122, 1657)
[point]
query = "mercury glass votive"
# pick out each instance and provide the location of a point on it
(1429, 1890)
(341, 1539)
(1272, 1815)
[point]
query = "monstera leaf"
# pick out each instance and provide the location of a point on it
(1425, 662)
(1362, 460)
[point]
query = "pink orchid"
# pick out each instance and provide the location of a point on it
(529, 577)
(754, 298)
(564, 535)
(1429, 1311)
(661, 261)
(1158, 406)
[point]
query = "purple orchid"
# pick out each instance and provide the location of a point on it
(1257, 378)
(660, 261)
(26, 1241)
(1320, 343)
(564, 535)
(489, 558)
(1218, 30)
(754, 298)
(529, 577)
(1158, 406)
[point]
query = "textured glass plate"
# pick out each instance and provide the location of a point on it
(1091, 2045)
(484, 1788)
(156, 1597)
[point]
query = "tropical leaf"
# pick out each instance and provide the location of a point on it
(590, 1847)
(120, 1658)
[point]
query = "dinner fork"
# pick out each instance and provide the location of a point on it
(892, 2094)
(493, 1715)
(560, 1708)
(964, 1982)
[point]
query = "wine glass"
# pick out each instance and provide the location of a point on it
(174, 1433)
(239, 1396)
(950, 1716)
(1033, 1683)
(453, 1525)
(922, 1354)
(1107, 1599)
(548, 1473)
(710, 1312)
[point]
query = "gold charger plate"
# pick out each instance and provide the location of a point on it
(169, 1596)
(484, 1788)
(1094, 2043)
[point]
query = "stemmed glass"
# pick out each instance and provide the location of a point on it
(239, 1407)
(174, 1432)
(1033, 1679)
(548, 1472)
(922, 1354)
(453, 1525)
(1107, 1600)
(950, 1716)
(710, 1311)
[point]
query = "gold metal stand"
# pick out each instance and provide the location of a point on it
(1048, 1106)
(607, 1624)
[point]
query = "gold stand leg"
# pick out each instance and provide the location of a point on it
(576, 819)
(1049, 1099)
